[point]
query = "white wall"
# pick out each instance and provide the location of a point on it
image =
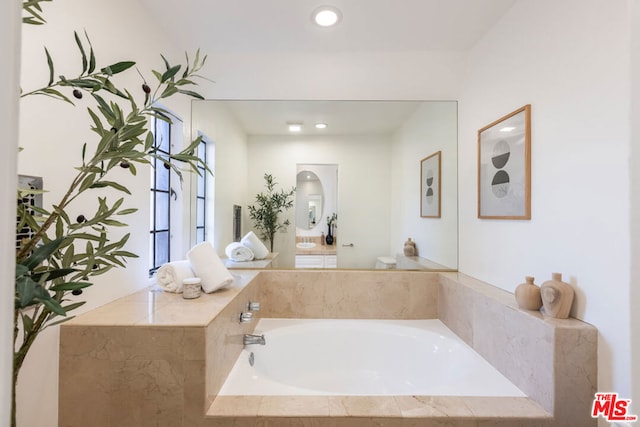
(570, 60)
(52, 134)
(9, 76)
(363, 187)
(433, 127)
(634, 300)
(230, 169)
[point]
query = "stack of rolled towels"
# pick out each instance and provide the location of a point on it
(247, 249)
(203, 262)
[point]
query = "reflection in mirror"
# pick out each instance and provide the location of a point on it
(376, 146)
(309, 197)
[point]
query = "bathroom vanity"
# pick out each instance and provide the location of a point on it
(311, 253)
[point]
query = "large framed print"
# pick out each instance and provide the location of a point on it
(430, 185)
(504, 167)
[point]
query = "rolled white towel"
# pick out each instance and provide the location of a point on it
(170, 275)
(236, 251)
(206, 264)
(251, 241)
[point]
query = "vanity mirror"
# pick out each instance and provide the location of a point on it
(376, 147)
(309, 200)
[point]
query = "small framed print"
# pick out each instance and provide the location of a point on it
(504, 167)
(430, 185)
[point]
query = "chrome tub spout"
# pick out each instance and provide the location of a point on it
(250, 339)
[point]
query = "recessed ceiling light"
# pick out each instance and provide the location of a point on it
(326, 16)
(294, 127)
(507, 129)
(321, 125)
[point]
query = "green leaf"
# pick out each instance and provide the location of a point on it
(25, 290)
(50, 64)
(118, 67)
(113, 223)
(27, 323)
(82, 52)
(53, 274)
(169, 91)
(42, 253)
(170, 73)
(21, 270)
(119, 187)
(92, 58)
(53, 93)
(54, 306)
(127, 211)
(87, 182)
(70, 286)
(191, 93)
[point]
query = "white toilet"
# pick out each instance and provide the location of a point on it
(385, 263)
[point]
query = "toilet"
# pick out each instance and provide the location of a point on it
(385, 263)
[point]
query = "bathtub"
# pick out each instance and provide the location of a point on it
(362, 358)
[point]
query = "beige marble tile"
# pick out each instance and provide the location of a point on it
(146, 393)
(194, 393)
(576, 374)
(295, 422)
(230, 422)
(84, 390)
(423, 295)
(363, 406)
(235, 406)
(518, 345)
(520, 423)
(294, 406)
(455, 307)
(437, 422)
(504, 407)
(295, 294)
(433, 406)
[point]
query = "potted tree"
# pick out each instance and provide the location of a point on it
(266, 212)
(61, 255)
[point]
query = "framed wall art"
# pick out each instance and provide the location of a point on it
(504, 167)
(430, 186)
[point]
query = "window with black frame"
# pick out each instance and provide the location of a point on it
(159, 245)
(201, 194)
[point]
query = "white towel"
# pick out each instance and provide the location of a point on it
(236, 251)
(251, 241)
(208, 266)
(170, 275)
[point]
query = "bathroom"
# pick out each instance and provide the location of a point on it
(580, 105)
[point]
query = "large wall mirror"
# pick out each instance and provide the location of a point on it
(376, 147)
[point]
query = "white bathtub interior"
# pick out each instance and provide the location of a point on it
(363, 358)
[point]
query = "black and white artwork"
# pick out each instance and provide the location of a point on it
(430, 186)
(504, 167)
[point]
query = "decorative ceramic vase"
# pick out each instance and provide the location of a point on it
(329, 238)
(409, 248)
(557, 297)
(528, 295)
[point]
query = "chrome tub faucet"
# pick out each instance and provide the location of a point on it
(250, 339)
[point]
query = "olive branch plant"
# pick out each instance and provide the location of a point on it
(265, 213)
(57, 262)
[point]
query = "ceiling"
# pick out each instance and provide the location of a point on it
(342, 117)
(285, 25)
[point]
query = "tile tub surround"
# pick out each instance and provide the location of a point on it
(145, 359)
(142, 360)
